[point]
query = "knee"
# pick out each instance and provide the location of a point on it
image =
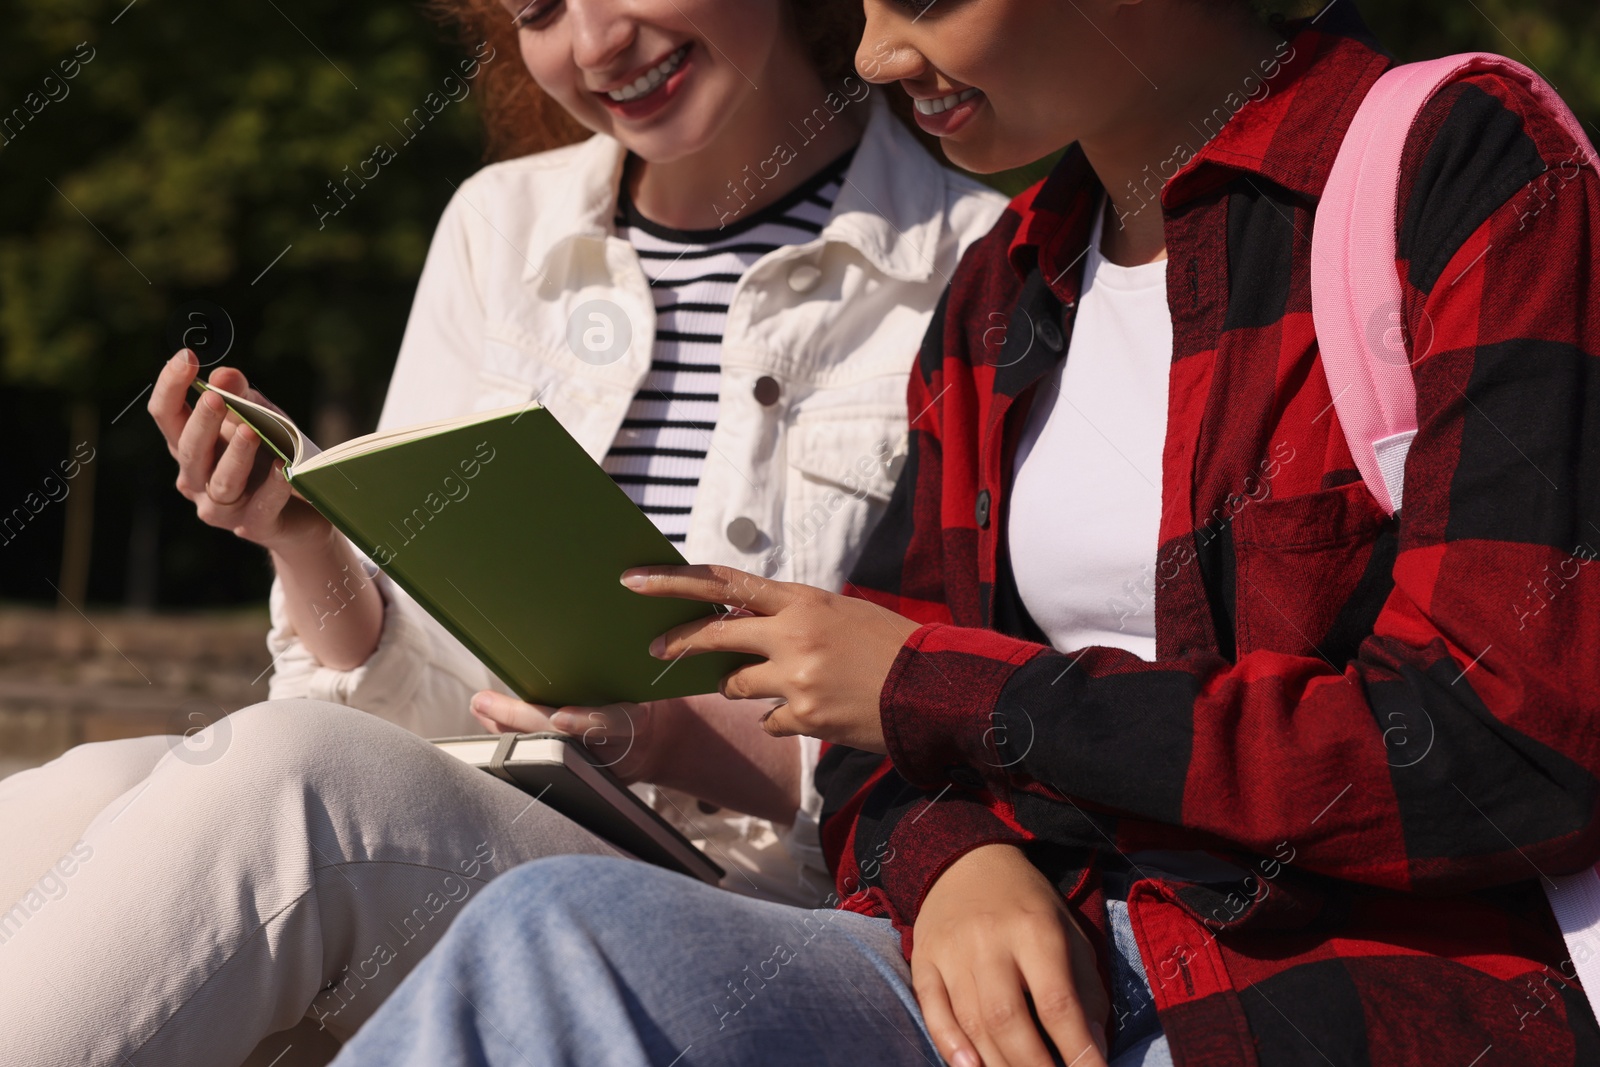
(289, 740)
(112, 765)
(562, 885)
(563, 897)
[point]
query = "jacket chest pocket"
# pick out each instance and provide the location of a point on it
(1309, 569)
(842, 468)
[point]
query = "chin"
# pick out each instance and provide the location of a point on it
(986, 153)
(666, 144)
(979, 158)
(690, 127)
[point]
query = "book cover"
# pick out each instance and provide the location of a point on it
(509, 534)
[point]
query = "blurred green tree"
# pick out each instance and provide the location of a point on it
(1558, 38)
(155, 154)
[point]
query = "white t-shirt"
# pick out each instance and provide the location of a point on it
(1083, 529)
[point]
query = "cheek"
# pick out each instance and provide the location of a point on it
(1038, 65)
(550, 63)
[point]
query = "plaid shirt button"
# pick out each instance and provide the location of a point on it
(1051, 335)
(980, 512)
(965, 777)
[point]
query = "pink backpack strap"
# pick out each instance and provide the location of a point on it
(1355, 288)
(1355, 301)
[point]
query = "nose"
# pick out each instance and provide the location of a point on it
(884, 54)
(601, 31)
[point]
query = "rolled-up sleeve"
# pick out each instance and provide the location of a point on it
(419, 677)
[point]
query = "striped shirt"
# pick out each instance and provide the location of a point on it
(660, 450)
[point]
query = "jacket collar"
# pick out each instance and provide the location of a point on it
(890, 208)
(1289, 137)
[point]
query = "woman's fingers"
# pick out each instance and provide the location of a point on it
(595, 726)
(713, 583)
(168, 399)
(232, 379)
(718, 633)
(934, 1000)
(1092, 994)
(753, 681)
(267, 501)
(1046, 972)
(197, 445)
(502, 714)
(1004, 1014)
(230, 479)
(968, 1007)
(610, 733)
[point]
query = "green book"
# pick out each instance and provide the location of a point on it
(505, 530)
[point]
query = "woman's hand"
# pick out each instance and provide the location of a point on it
(991, 930)
(826, 655)
(707, 746)
(624, 738)
(221, 468)
(236, 487)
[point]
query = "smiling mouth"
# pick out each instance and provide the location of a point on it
(945, 103)
(652, 80)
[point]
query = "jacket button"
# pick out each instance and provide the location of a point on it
(981, 511)
(767, 390)
(743, 534)
(804, 278)
(1050, 334)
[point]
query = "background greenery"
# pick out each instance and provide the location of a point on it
(188, 155)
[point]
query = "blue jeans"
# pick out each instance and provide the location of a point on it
(580, 960)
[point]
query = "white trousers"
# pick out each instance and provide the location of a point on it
(177, 902)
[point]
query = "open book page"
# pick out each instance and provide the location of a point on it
(381, 439)
(300, 454)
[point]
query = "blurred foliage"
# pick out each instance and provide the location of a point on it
(188, 152)
(191, 151)
(196, 141)
(1558, 38)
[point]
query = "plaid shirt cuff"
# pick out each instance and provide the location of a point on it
(938, 703)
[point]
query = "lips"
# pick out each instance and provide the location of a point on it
(944, 103)
(651, 80)
(943, 116)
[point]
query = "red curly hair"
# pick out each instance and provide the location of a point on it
(520, 119)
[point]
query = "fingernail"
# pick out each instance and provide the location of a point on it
(480, 703)
(563, 722)
(658, 648)
(1098, 1032)
(633, 579)
(967, 1058)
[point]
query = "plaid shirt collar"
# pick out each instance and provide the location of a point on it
(1287, 137)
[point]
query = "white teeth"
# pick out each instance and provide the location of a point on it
(934, 107)
(649, 82)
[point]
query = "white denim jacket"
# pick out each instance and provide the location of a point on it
(790, 488)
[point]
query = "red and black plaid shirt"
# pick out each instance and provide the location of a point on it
(1381, 733)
